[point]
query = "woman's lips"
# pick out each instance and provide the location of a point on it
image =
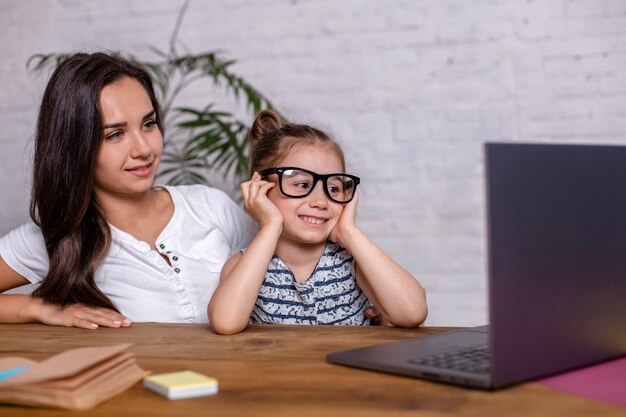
(141, 170)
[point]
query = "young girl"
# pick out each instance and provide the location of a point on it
(309, 263)
(105, 246)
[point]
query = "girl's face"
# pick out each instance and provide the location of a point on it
(308, 220)
(132, 144)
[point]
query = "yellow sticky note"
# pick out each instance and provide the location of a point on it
(184, 384)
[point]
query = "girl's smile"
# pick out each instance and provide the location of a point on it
(313, 221)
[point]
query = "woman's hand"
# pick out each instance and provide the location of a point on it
(82, 316)
(346, 226)
(257, 204)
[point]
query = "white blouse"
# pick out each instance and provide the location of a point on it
(205, 229)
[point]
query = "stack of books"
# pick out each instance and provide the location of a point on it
(78, 379)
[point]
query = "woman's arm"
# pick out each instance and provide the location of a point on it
(242, 275)
(15, 308)
(20, 308)
(394, 291)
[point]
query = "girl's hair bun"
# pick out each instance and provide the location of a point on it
(271, 139)
(266, 122)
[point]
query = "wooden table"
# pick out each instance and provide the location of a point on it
(281, 371)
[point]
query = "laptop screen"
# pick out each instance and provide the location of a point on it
(557, 256)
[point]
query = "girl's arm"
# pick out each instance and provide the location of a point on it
(242, 275)
(394, 291)
(20, 308)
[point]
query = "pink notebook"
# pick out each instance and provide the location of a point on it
(605, 382)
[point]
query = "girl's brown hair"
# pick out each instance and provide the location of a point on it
(271, 139)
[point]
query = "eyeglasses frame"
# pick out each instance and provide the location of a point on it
(324, 177)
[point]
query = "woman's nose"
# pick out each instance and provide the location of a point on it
(140, 146)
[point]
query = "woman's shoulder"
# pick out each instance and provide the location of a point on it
(206, 205)
(196, 190)
(24, 250)
(21, 240)
(26, 232)
(199, 195)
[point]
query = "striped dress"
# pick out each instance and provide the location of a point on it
(329, 296)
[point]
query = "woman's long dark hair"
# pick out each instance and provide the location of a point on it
(69, 134)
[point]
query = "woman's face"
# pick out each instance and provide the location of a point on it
(132, 143)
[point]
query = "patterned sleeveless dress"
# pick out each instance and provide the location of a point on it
(329, 296)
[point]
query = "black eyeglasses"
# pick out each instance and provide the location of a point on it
(298, 183)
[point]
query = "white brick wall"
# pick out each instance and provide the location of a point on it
(411, 88)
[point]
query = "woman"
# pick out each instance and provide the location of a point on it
(105, 246)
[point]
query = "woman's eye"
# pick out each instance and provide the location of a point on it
(115, 135)
(303, 185)
(149, 124)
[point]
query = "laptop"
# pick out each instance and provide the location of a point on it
(556, 233)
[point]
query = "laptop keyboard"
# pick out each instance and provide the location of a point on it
(473, 360)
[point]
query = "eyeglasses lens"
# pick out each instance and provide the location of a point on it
(340, 188)
(296, 183)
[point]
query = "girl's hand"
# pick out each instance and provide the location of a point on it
(257, 204)
(346, 226)
(374, 315)
(82, 316)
